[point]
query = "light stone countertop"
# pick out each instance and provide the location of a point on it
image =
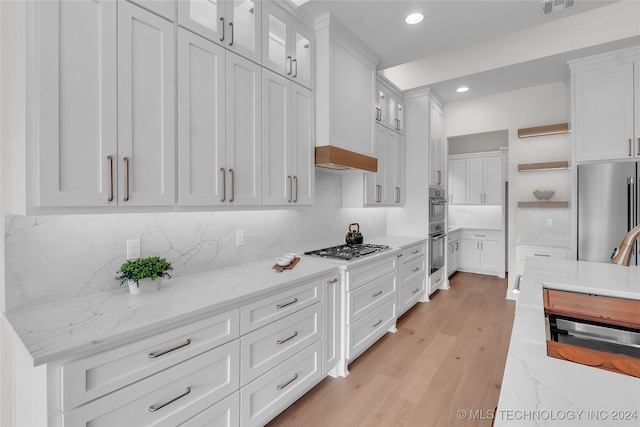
(91, 324)
(88, 325)
(538, 390)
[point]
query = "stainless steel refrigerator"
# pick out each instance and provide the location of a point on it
(607, 208)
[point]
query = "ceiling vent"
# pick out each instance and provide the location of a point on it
(551, 6)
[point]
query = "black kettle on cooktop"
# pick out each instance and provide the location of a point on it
(354, 236)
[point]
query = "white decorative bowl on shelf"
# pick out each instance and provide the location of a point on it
(544, 195)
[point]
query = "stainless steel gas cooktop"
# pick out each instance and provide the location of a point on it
(348, 252)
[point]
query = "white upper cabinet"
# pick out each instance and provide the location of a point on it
(288, 45)
(386, 187)
(146, 108)
(288, 144)
(436, 144)
(77, 107)
(389, 107)
(456, 182)
(606, 101)
(164, 8)
(201, 121)
(235, 24)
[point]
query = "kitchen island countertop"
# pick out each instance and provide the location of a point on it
(538, 390)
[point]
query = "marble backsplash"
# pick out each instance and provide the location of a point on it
(471, 216)
(58, 257)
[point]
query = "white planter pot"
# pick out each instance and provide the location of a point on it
(146, 285)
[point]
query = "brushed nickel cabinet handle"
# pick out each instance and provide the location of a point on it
(281, 386)
(290, 188)
(290, 66)
(222, 20)
(397, 194)
(295, 334)
(417, 251)
(630, 147)
(332, 281)
(543, 255)
(439, 177)
(126, 167)
(399, 125)
(376, 294)
(377, 323)
(162, 353)
(233, 185)
(224, 181)
(154, 408)
(295, 178)
(295, 62)
(415, 291)
(415, 269)
(295, 300)
(231, 25)
(378, 193)
(110, 158)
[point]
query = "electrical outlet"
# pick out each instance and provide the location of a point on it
(239, 238)
(549, 222)
(133, 249)
(370, 222)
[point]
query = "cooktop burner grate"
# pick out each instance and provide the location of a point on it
(349, 251)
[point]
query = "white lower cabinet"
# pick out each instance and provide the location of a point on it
(331, 324)
(436, 281)
(412, 276)
(168, 398)
(225, 413)
(453, 253)
(524, 251)
(480, 251)
(268, 395)
(369, 329)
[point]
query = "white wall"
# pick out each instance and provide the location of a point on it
(535, 106)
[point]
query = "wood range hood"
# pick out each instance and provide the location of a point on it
(331, 157)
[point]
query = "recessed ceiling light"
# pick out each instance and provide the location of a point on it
(414, 18)
(462, 89)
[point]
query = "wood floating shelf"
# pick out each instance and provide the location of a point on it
(547, 166)
(543, 204)
(543, 130)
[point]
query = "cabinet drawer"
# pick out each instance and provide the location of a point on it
(272, 308)
(411, 293)
(225, 413)
(168, 398)
(540, 252)
(91, 377)
(273, 344)
(490, 235)
(369, 296)
(360, 275)
(412, 269)
(436, 280)
(267, 396)
(412, 252)
(368, 329)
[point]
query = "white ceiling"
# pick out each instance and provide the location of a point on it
(433, 52)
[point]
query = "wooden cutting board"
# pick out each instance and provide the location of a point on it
(280, 269)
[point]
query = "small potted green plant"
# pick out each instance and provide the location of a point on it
(144, 274)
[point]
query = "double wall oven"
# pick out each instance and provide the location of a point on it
(437, 241)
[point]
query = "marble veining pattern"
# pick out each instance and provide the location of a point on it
(87, 325)
(538, 390)
(59, 257)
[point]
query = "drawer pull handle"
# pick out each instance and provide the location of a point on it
(417, 251)
(154, 408)
(295, 300)
(416, 291)
(295, 334)
(332, 281)
(481, 235)
(110, 158)
(377, 323)
(545, 255)
(281, 386)
(415, 269)
(376, 294)
(399, 255)
(154, 355)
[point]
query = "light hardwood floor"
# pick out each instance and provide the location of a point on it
(447, 355)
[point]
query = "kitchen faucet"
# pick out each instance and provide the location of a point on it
(622, 255)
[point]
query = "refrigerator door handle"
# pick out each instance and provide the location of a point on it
(631, 203)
